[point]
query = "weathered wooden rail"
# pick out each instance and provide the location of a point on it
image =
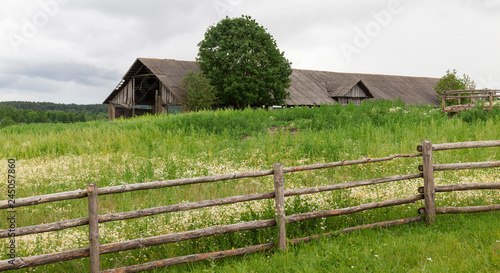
(426, 193)
(458, 95)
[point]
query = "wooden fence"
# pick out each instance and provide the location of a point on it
(427, 192)
(481, 95)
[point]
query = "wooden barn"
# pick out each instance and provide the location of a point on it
(149, 86)
(154, 86)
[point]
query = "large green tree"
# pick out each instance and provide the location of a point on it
(451, 81)
(242, 61)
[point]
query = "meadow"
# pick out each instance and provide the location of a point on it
(64, 157)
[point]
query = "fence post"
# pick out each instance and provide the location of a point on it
(491, 100)
(279, 195)
(443, 101)
(428, 171)
(93, 228)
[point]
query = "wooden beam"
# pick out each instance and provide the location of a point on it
(464, 166)
(349, 210)
(118, 216)
(93, 228)
(144, 75)
(464, 187)
(191, 258)
(428, 171)
(443, 210)
(35, 200)
(155, 109)
(474, 91)
(463, 145)
(199, 204)
(111, 112)
(491, 101)
(279, 197)
(346, 163)
(24, 262)
(469, 96)
(367, 226)
(353, 184)
(151, 88)
(133, 97)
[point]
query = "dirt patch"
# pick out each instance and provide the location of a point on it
(277, 129)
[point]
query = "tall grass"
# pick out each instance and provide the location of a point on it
(62, 157)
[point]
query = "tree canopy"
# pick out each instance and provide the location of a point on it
(46, 112)
(242, 61)
(451, 81)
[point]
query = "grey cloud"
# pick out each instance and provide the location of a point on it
(91, 44)
(61, 72)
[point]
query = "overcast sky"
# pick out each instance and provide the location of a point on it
(70, 51)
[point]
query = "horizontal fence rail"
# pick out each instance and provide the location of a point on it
(135, 244)
(199, 204)
(427, 193)
(199, 233)
(350, 210)
(367, 226)
(461, 94)
(192, 258)
(443, 210)
(458, 95)
(464, 187)
(463, 166)
(36, 200)
(251, 249)
(494, 91)
(463, 145)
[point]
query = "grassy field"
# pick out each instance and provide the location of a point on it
(63, 157)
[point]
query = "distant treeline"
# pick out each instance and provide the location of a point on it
(14, 112)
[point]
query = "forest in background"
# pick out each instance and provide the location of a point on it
(18, 112)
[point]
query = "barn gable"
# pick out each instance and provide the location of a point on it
(349, 91)
(153, 84)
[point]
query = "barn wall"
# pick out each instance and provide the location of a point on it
(127, 113)
(125, 97)
(344, 100)
(167, 98)
(356, 92)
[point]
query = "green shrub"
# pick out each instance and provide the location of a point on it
(6, 121)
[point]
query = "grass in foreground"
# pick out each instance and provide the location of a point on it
(456, 243)
(55, 158)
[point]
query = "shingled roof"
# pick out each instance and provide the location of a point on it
(308, 87)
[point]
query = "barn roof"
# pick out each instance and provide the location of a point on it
(307, 87)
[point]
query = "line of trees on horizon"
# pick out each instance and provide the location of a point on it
(23, 112)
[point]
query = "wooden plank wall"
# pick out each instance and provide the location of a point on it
(167, 98)
(356, 92)
(346, 100)
(125, 97)
(356, 95)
